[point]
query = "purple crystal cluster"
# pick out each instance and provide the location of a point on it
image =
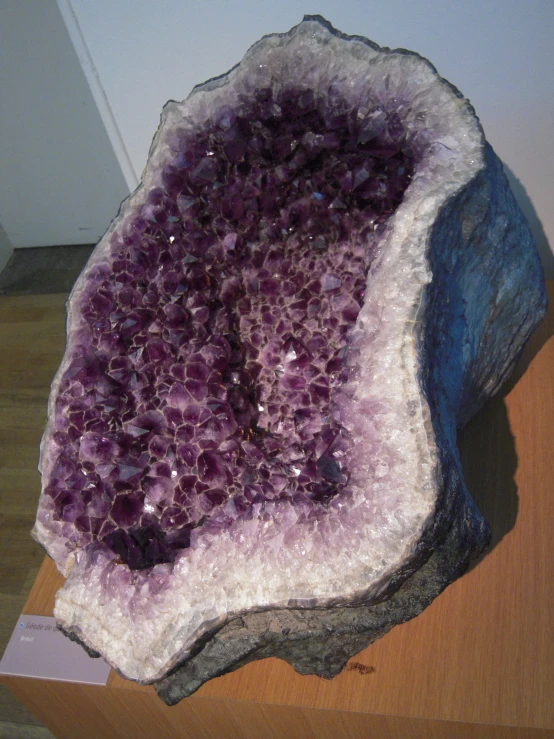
(212, 341)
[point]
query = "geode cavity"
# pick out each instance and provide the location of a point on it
(251, 444)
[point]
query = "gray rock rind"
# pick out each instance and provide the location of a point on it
(320, 642)
(486, 297)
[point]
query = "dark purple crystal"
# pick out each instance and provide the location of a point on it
(217, 332)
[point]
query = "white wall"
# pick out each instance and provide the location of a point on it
(60, 181)
(498, 53)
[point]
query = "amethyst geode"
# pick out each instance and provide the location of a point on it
(251, 445)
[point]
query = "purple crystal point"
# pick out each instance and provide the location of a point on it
(268, 356)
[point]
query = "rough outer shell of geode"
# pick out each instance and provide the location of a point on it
(251, 444)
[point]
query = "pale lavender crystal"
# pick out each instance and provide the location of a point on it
(242, 389)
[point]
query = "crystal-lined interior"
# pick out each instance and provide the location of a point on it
(215, 338)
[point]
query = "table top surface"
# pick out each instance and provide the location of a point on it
(483, 650)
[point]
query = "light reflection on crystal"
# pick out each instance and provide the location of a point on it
(219, 326)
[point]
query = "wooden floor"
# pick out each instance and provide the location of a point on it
(32, 338)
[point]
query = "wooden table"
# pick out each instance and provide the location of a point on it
(479, 662)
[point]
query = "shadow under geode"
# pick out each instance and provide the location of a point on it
(489, 464)
(487, 448)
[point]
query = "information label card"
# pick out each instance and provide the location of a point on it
(38, 649)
